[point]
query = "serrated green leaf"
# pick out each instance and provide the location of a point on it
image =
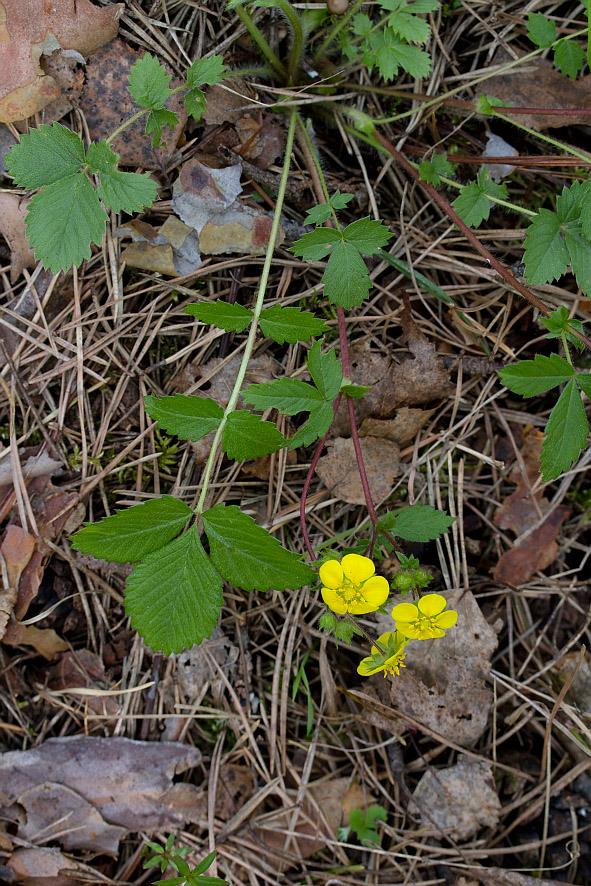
(346, 630)
(392, 53)
(130, 191)
(63, 220)
(288, 395)
(317, 215)
(579, 250)
(316, 245)
(290, 324)
(569, 57)
(248, 436)
(558, 322)
(339, 201)
(565, 434)
(545, 256)
(249, 557)
(472, 205)
(541, 30)
(356, 819)
(316, 427)
(156, 121)
(374, 813)
(531, 377)
(432, 170)
(174, 596)
(410, 27)
(369, 836)
(326, 370)
(149, 82)
(195, 103)
(585, 216)
(44, 156)
(416, 522)
(189, 417)
(346, 279)
(367, 235)
(231, 317)
(206, 70)
(129, 535)
(362, 24)
(583, 379)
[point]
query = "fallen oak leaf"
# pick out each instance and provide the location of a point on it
(13, 210)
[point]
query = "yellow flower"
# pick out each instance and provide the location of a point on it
(389, 662)
(424, 620)
(351, 586)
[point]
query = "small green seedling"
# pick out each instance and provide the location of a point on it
(362, 824)
(168, 856)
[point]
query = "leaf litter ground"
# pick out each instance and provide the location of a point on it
(478, 752)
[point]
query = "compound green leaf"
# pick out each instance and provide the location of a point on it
(206, 70)
(416, 522)
(63, 220)
(231, 317)
(174, 596)
(316, 245)
(355, 391)
(290, 324)
(566, 433)
(579, 250)
(339, 200)
(129, 535)
(346, 280)
(569, 57)
(190, 418)
(149, 82)
(195, 103)
(288, 395)
(317, 425)
(318, 214)
(531, 377)
(248, 436)
(545, 256)
(431, 170)
(45, 156)
(130, 191)
(583, 379)
(367, 235)
(558, 322)
(408, 26)
(249, 557)
(541, 30)
(157, 119)
(326, 371)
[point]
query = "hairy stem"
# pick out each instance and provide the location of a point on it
(258, 307)
(545, 138)
(297, 47)
(336, 30)
(260, 41)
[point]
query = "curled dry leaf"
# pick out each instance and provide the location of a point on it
(444, 682)
(29, 28)
(129, 783)
(13, 210)
(45, 641)
(107, 102)
(17, 549)
(339, 472)
(459, 800)
(39, 865)
(402, 429)
(83, 669)
(520, 511)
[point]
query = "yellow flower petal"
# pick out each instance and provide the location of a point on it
(432, 604)
(446, 619)
(357, 568)
(405, 613)
(331, 574)
(362, 607)
(376, 590)
(410, 631)
(334, 601)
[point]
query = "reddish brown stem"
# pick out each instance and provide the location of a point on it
(308, 480)
(470, 235)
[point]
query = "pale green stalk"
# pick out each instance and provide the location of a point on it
(545, 138)
(260, 41)
(297, 48)
(316, 162)
(258, 307)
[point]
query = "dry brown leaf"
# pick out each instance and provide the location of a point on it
(459, 800)
(44, 640)
(62, 814)
(538, 84)
(39, 866)
(13, 210)
(402, 429)
(261, 144)
(339, 472)
(195, 667)
(520, 511)
(444, 682)
(501, 877)
(355, 798)
(225, 104)
(129, 782)
(579, 692)
(29, 28)
(17, 549)
(83, 669)
(235, 785)
(202, 191)
(106, 102)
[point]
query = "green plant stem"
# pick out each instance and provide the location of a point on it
(545, 138)
(258, 307)
(566, 348)
(297, 47)
(260, 41)
(336, 30)
(126, 123)
(312, 155)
